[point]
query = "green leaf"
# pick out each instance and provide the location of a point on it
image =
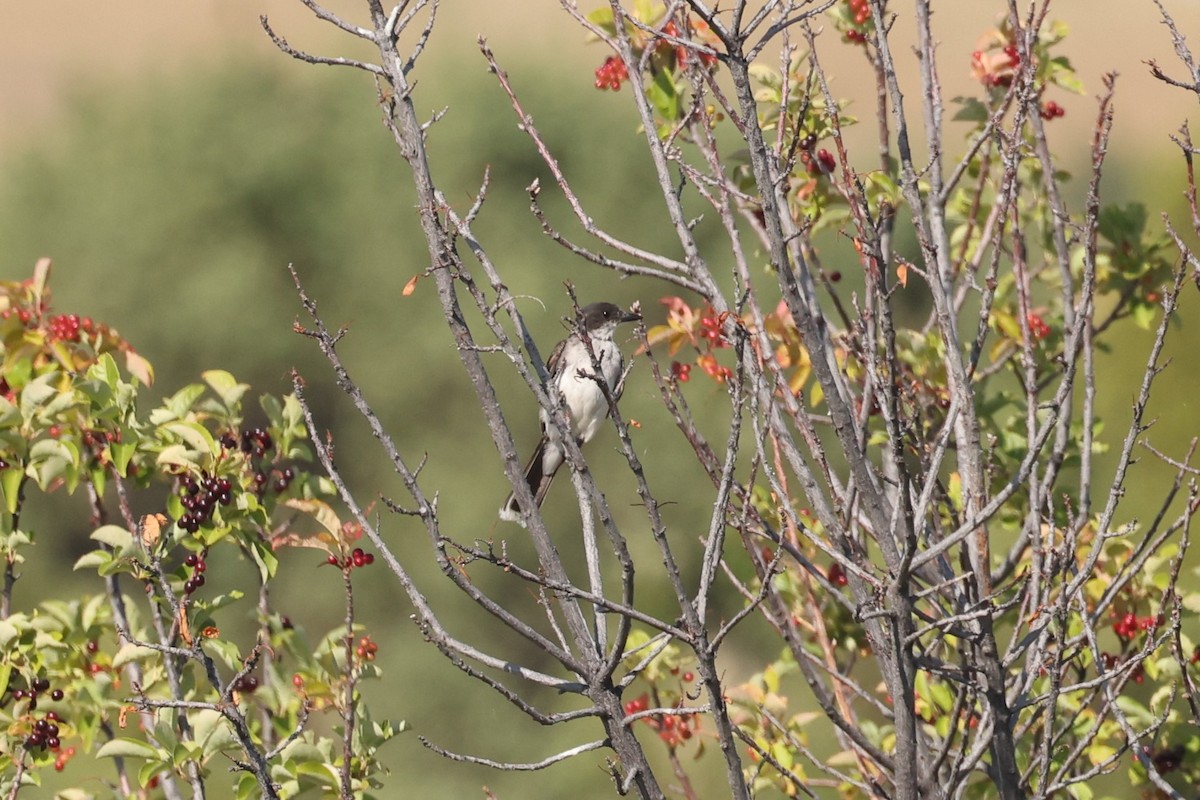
(50, 459)
(114, 536)
(1143, 314)
(212, 732)
(664, 95)
(971, 110)
(37, 392)
(8, 632)
(128, 748)
(177, 455)
(97, 560)
(226, 387)
(73, 794)
(105, 371)
(122, 452)
(132, 652)
(10, 484)
(92, 610)
(602, 17)
(646, 11)
(178, 405)
(194, 435)
(265, 558)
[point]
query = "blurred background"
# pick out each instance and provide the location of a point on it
(172, 162)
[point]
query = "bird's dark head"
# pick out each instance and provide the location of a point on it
(597, 317)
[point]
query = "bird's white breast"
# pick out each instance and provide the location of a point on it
(584, 398)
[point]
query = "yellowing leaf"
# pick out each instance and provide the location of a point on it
(150, 528)
(185, 630)
(139, 368)
(411, 286)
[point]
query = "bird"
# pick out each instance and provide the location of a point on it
(571, 368)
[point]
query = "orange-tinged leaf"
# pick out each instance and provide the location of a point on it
(318, 510)
(902, 274)
(150, 529)
(411, 286)
(674, 338)
(185, 630)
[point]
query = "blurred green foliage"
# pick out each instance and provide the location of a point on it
(171, 210)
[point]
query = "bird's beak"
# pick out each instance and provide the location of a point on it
(630, 316)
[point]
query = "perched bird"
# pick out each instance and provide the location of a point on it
(571, 369)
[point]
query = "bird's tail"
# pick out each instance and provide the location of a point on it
(539, 484)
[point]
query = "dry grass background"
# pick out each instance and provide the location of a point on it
(45, 48)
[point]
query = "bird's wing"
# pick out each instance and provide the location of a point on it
(553, 363)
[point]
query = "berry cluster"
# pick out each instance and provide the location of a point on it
(37, 688)
(681, 52)
(43, 731)
(247, 684)
(366, 649)
(708, 363)
(1037, 326)
(198, 566)
(1128, 626)
(996, 69)
(1051, 110)
(200, 497)
(860, 13)
(673, 729)
(821, 162)
(66, 327)
(23, 315)
(611, 74)
(710, 328)
(681, 372)
(255, 442)
(278, 479)
(357, 558)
